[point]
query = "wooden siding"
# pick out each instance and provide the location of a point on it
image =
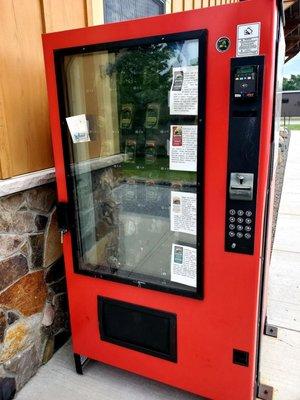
(184, 5)
(24, 132)
(25, 142)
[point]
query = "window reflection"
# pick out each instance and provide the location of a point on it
(121, 178)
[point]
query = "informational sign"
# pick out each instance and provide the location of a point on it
(79, 128)
(183, 147)
(183, 212)
(248, 40)
(184, 91)
(184, 265)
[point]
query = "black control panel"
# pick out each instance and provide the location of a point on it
(243, 153)
(245, 82)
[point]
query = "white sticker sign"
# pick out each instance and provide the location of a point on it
(184, 265)
(184, 91)
(183, 212)
(79, 128)
(248, 40)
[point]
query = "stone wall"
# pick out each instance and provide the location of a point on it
(33, 303)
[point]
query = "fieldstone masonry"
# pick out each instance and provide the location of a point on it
(33, 302)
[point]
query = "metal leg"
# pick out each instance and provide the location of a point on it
(80, 362)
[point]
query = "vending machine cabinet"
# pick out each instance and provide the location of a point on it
(163, 130)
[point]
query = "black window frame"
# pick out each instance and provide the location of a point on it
(59, 54)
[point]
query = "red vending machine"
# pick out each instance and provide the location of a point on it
(163, 138)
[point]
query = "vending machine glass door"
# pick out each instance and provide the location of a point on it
(132, 122)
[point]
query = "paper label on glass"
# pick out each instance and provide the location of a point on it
(184, 91)
(183, 212)
(79, 128)
(184, 265)
(248, 40)
(183, 147)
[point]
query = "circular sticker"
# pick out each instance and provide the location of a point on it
(223, 44)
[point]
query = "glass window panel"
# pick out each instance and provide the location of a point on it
(121, 182)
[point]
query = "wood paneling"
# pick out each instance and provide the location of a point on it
(197, 3)
(25, 143)
(67, 14)
(188, 5)
(177, 5)
(184, 5)
(5, 166)
(95, 12)
(25, 139)
(168, 6)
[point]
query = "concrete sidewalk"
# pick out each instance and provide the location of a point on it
(280, 358)
(58, 381)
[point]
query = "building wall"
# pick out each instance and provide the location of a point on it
(185, 5)
(291, 104)
(25, 141)
(24, 126)
(33, 303)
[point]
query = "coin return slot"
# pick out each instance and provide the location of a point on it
(241, 186)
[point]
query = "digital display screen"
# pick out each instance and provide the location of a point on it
(245, 70)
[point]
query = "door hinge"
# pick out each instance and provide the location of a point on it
(62, 210)
(264, 392)
(270, 330)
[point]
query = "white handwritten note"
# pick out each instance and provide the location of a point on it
(79, 128)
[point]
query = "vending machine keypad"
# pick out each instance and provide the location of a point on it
(239, 226)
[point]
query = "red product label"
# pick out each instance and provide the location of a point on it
(177, 136)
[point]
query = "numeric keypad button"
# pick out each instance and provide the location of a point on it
(240, 213)
(247, 236)
(247, 228)
(248, 213)
(232, 212)
(240, 220)
(231, 234)
(239, 235)
(231, 219)
(239, 228)
(248, 221)
(231, 227)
